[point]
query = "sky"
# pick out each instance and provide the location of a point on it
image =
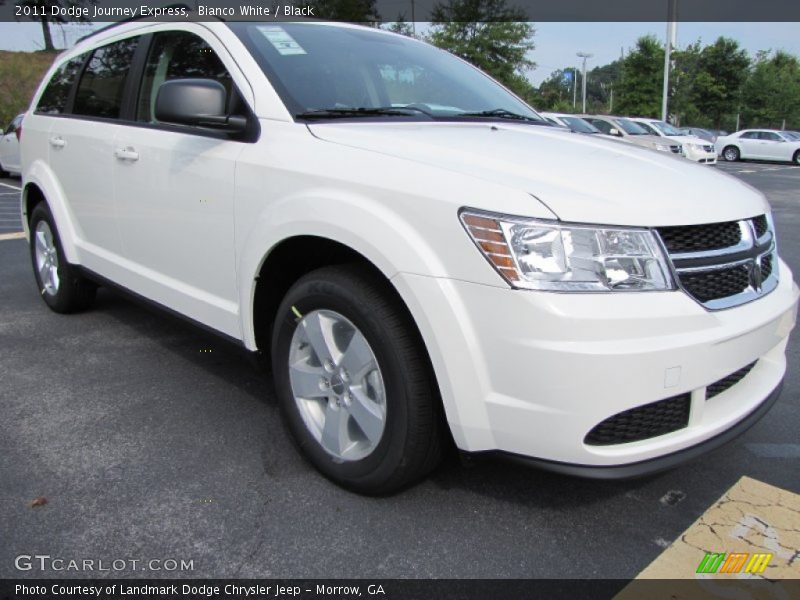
(556, 43)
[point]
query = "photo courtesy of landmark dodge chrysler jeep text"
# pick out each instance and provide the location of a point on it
(419, 254)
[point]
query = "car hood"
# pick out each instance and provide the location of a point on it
(578, 177)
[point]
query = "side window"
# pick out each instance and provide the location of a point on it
(179, 55)
(601, 125)
(54, 98)
(750, 135)
(768, 135)
(102, 85)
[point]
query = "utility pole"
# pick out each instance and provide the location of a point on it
(672, 31)
(584, 56)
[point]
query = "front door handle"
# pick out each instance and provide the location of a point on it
(57, 141)
(127, 153)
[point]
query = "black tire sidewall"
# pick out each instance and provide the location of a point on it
(734, 149)
(309, 295)
(60, 302)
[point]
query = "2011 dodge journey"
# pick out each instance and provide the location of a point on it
(419, 254)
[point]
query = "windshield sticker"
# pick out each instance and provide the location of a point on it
(284, 43)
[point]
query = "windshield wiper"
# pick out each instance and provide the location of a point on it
(502, 113)
(344, 113)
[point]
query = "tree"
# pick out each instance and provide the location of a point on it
(771, 94)
(45, 17)
(490, 35)
(556, 90)
(400, 26)
(642, 79)
(353, 11)
(722, 69)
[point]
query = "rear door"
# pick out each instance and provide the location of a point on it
(175, 188)
(774, 146)
(82, 152)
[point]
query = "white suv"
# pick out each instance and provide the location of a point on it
(419, 255)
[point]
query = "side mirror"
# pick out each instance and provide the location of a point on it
(197, 102)
(614, 131)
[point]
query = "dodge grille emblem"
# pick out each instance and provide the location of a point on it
(756, 277)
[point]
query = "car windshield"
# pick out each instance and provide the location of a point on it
(630, 127)
(578, 124)
(330, 71)
(666, 128)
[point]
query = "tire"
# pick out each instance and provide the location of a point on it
(3, 172)
(796, 158)
(61, 286)
(731, 153)
(345, 302)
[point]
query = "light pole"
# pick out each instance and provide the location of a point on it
(574, 86)
(584, 56)
(671, 39)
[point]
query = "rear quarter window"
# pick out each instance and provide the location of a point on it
(55, 96)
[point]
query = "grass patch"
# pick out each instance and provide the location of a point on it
(20, 74)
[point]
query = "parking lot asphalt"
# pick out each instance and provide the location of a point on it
(152, 440)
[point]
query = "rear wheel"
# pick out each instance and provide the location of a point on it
(796, 158)
(731, 153)
(3, 172)
(60, 284)
(354, 381)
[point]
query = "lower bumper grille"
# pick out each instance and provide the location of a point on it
(724, 384)
(642, 422)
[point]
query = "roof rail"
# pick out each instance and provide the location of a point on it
(131, 19)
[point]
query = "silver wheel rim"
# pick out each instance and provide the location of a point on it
(46, 258)
(337, 385)
(730, 154)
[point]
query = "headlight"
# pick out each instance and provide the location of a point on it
(546, 255)
(663, 147)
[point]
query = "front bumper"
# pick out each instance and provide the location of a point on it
(531, 373)
(699, 155)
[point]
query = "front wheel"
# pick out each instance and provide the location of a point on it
(731, 154)
(796, 158)
(60, 284)
(354, 381)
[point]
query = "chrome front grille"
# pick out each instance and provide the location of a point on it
(722, 265)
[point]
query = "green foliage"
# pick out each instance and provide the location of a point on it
(400, 26)
(721, 71)
(20, 74)
(772, 92)
(642, 79)
(490, 35)
(353, 11)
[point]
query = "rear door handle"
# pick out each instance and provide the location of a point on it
(126, 154)
(57, 141)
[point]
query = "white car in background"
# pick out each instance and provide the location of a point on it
(622, 128)
(758, 144)
(9, 148)
(577, 125)
(694, 148)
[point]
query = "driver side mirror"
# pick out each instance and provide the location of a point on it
(614, 131)
(196, 102)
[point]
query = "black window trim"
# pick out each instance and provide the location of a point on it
(133, 82)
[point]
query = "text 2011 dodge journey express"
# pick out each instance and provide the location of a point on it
(419, 254)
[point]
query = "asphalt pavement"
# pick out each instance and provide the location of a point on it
(152, 441)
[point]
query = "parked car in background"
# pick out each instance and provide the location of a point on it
(694, 148)
(576, 124)
(758, 144)
(624, 128)
(704, 134)
(9, 148)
